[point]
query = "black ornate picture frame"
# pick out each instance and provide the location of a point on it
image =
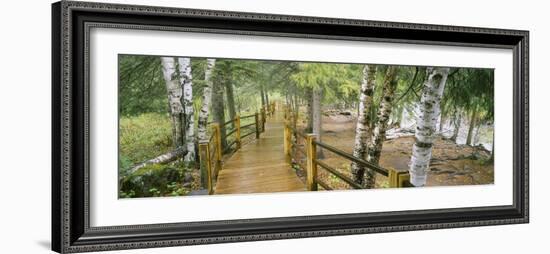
(71, 231)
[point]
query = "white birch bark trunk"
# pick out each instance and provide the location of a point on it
(428, 111)
(206, 99)
(362, 130)
(175, 93)
(161, 159)
(186, 81)
(379, 132)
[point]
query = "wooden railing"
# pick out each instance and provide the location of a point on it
(292, 147)
(211, 150)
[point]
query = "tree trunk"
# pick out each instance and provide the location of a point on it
(442, 124)
(428, 111)
(457, 123)
(206, 99)
(218, 110)
(309, 99)
(174, 91)
(186, 83)
(379, 132)
(397, 117)
(230, 98)
(262, 94)
(362, 130)
(266, 98)
(472, 125)
(317, 114)
(296, 102)
(476, 135)
(164, 158)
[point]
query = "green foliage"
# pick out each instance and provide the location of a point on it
(470, 89)
(143, 137)
(338, 81)
(153, 181)
(141, 85)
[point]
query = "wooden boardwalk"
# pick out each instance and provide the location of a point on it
(260, 166)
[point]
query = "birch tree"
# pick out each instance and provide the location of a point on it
(206, 99)
(362, 130)
(428, 111)
(186, 80)
(175, 93)
(379, 132)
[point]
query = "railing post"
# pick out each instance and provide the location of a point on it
(257, 125)
(238, 132)
(397, 179)
(286, 143)
(392, 178)
(311, 178)
(404, 179)
(206, 166)
(218, 143)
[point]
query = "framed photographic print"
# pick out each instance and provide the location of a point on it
(181, 126)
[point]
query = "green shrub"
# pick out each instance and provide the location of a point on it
(143, 137)
(152, 181)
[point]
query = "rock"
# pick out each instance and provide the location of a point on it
(186, 185)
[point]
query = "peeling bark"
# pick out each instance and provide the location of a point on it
(206, 100)
(362, 130)
(379, 132)
(428, 113)
(175, 94)
(186, 81)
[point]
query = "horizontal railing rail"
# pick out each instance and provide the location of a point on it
(339, 175)
(352, 158)
(309, 152)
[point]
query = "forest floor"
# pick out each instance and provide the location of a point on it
(451, 164)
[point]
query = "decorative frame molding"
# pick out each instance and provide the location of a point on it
(71, 22)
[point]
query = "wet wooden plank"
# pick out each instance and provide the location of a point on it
(260, 166)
